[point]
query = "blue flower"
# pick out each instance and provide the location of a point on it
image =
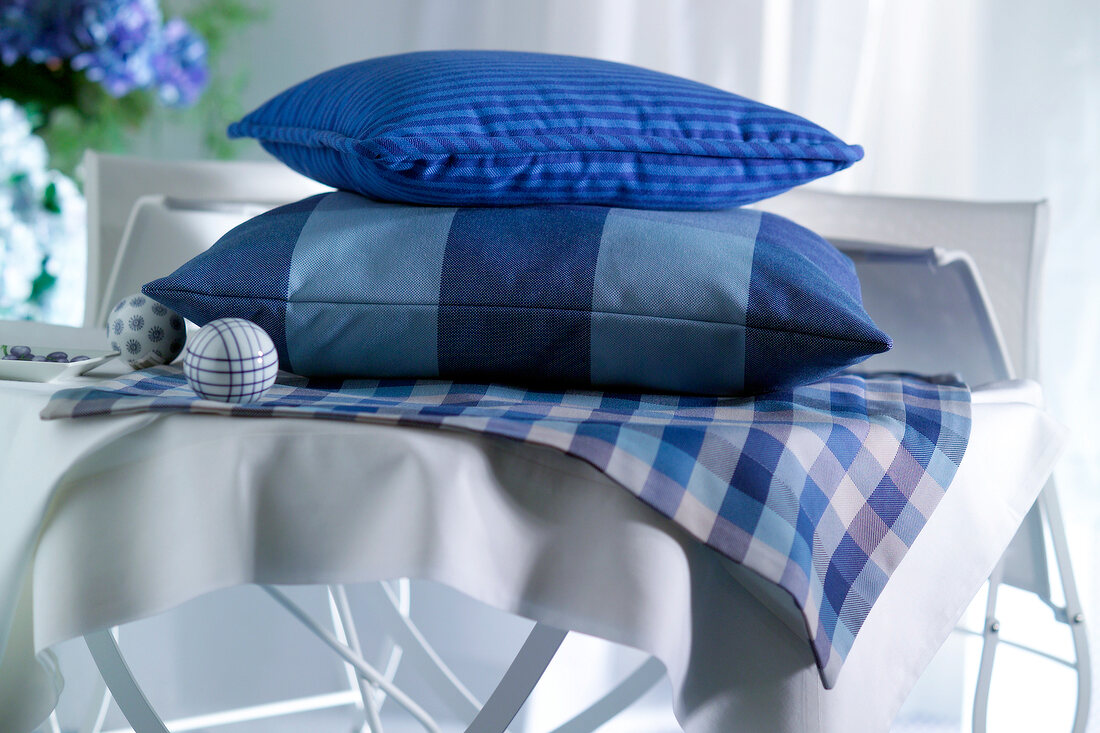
(20, 29)
(180, 65)
(122, 45)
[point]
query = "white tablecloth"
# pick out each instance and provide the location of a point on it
(105, 520)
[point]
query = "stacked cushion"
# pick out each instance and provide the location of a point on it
(561, 222)
(725, 302)
(492, 128)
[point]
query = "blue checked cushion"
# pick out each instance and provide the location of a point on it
(485, 128)
(821, 489)
(722, 302)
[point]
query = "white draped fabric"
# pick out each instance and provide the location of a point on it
(143, 513)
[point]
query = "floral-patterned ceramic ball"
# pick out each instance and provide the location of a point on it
(145, 332)
(231, 360)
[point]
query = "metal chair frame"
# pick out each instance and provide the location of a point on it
(369, 688)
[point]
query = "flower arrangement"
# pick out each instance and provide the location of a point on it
(123, 45)
(90, 71)
(78, 74)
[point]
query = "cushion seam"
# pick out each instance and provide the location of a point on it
(315, 144)
(532, 308)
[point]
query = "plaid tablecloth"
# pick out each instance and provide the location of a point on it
(821, 489)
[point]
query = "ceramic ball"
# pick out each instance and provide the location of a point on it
(145, 332)
(230, 360)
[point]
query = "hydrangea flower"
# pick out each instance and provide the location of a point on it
(43, 243)
(123, 45)
(20, 28)
(117, 40)
(180, 65)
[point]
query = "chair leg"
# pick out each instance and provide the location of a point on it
(990, 637)
(494, 717)
(518, 681)
(356, 660)
(344, 625)
(120, 680)
(385, 607)
(1072, 614)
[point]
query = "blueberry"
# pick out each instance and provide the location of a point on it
(20, 351)
(78, 358)
(37, 358)
(9, 357)
(57, 356)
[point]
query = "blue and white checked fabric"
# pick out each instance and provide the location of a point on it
(491, 128)
(821, 489)
(712, 302)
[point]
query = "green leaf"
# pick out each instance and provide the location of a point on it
(50, 200)
(42, 283)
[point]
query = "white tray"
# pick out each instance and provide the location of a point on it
(52, 371)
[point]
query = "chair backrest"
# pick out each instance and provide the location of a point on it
(935, 307)
(1006, 241)
(113, 184)
(162, 234)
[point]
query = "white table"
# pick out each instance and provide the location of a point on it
(106, 520)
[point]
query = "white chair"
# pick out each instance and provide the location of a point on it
(882, 234)
(113, 184)
(1007, 243)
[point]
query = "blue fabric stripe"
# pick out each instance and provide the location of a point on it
(515, 293)
(388, 274)
(701, 284)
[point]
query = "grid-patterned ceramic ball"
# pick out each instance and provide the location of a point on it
(230, 360)
(145, 332)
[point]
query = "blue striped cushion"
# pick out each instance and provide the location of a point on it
(723, 302)
(490, 128)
